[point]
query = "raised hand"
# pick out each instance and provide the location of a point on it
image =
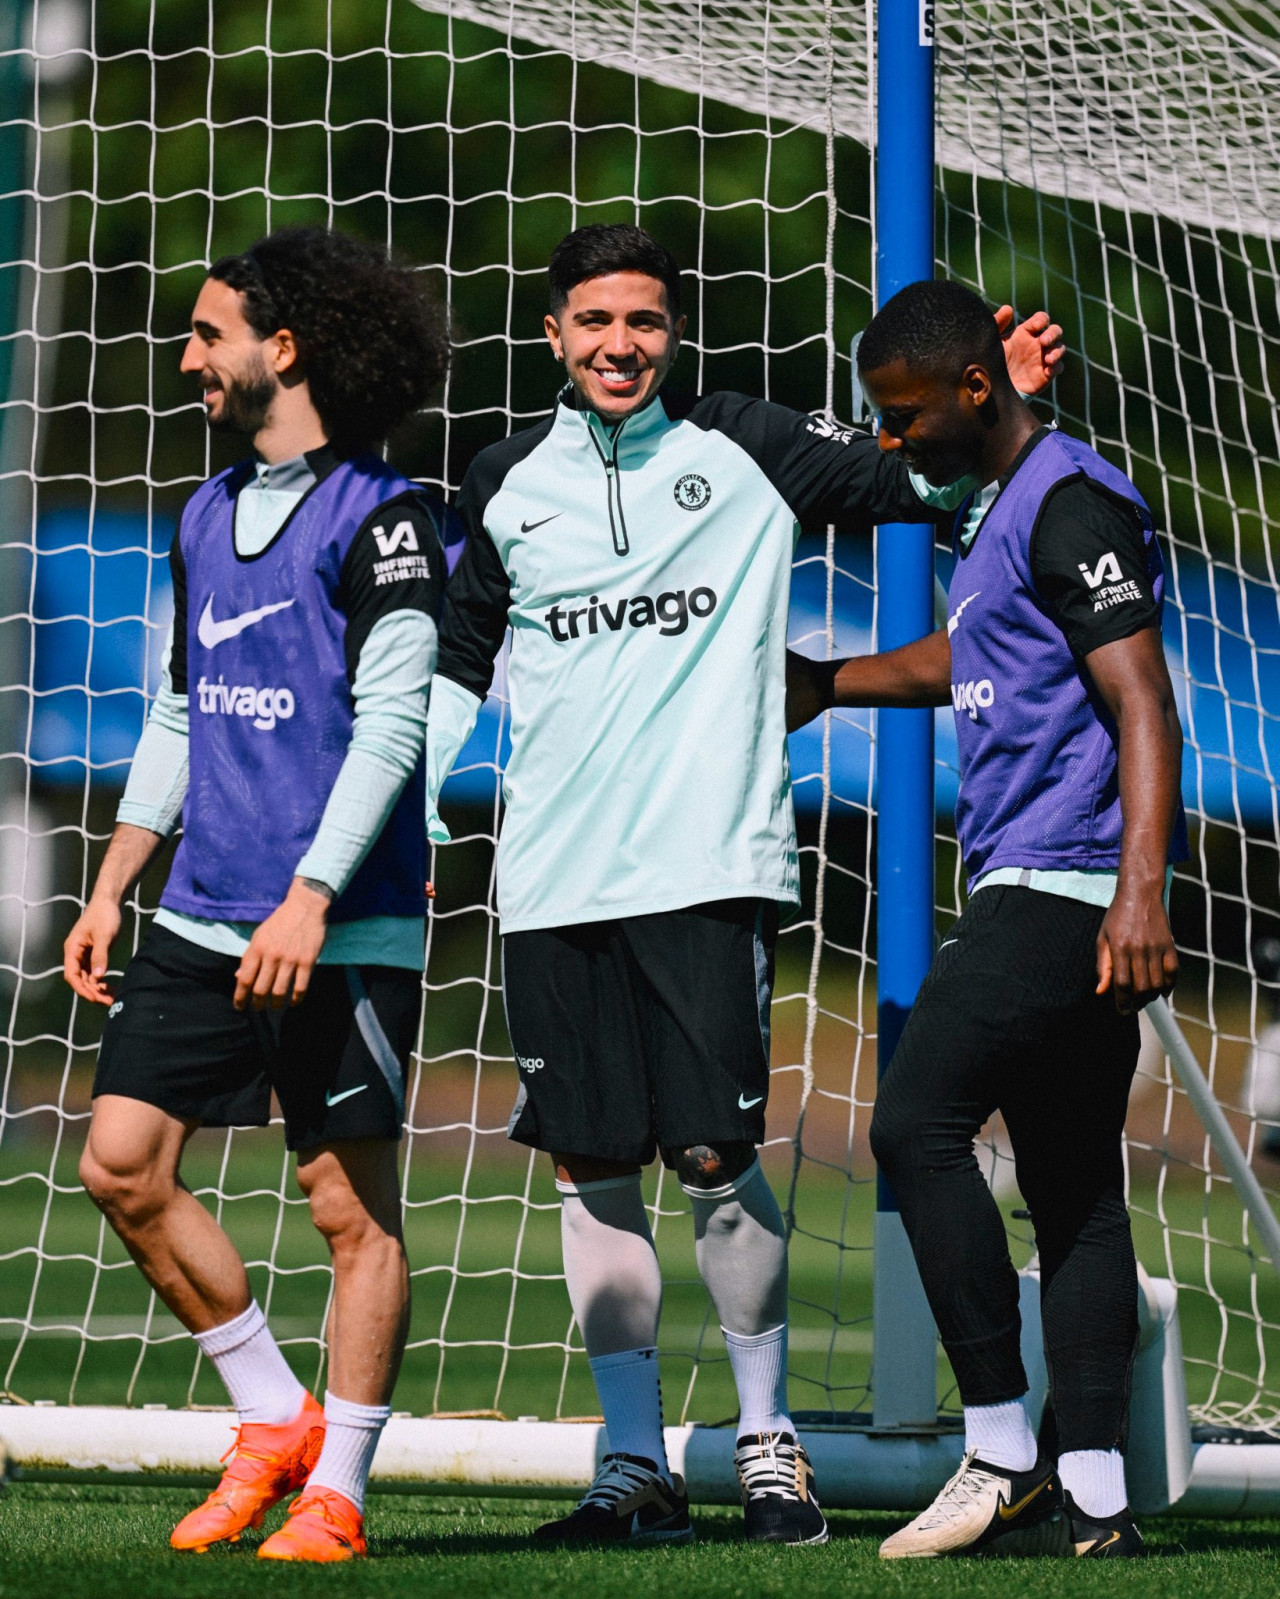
(1033, 349)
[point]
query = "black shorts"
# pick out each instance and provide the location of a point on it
(644, 1033)
(337, 1062)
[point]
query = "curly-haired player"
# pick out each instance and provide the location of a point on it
(287, 952)
(372, 346)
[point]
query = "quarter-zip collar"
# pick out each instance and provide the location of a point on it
(607, 441)
(640, 425)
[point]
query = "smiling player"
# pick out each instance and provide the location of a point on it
(1068, 816)
(287, 953)
(641, 554)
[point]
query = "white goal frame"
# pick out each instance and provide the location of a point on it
(1001, 129)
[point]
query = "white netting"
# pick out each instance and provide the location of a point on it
(1118, 162)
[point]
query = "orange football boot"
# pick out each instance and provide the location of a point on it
(323, 1525)
(266, 1464)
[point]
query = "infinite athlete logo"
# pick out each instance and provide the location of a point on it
(828, 430)
(692, 492)
(669, 613)
(1108, 584)
(265, 706)
(402, 536)
(1106, 571)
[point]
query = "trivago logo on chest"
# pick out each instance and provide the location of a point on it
(670, 613)
(265, 706)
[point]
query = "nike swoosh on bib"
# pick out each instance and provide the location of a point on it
(528, 527)
(746, 1104)
(953, 621)
(211, 632)
(331, 1098)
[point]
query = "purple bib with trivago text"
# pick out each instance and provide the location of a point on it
(270, 706)
(1039, 783)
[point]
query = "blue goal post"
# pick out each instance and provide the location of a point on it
(904, 1376)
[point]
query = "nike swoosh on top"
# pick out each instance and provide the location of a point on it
(331, 1098)
(528, 527)
(746, 1104)
(211, 632)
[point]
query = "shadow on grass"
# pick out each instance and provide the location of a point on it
(720, 1532)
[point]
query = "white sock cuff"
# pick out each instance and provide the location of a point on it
(755, 1340)
(623, 1357)
(725, 1190)
(231, 1334)
(1095, 1480)
(601, 1185)
(348, 1414)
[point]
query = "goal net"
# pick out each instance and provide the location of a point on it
(1117, 161)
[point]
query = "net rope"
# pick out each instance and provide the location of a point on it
(1119, 163)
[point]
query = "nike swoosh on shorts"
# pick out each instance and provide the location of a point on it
(746, 1104)
(211, 632)
(331, 1098)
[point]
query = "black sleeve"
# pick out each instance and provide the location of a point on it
(826, 473)
(394, 563)
(478, 597)
(1091, 566)
(178, 579)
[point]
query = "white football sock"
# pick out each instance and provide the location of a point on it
(760, 1371)
(255, 1373)
(350, 1438)
(1001, 1435)
(742, 1256)
(631, 1402)
(1095, 1480)
(610, 1265)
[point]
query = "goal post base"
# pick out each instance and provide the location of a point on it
(856, 1470)
(1166, 1468)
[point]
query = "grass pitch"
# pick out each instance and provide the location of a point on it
(62, 1542)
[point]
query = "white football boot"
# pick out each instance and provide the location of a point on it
(987, 1509)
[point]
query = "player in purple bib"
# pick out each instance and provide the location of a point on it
(286, 956)
(1068, 816)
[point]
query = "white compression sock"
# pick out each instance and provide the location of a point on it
(350, 1438)
(1001, 1435)
(1095, 1480)
(742, 1256)
(631, 1402)
(610, 1265)
(615, 1288)
(256, 1374)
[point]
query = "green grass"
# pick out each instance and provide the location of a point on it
(110, 1543)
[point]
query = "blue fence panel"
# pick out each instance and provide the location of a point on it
(102, 602)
